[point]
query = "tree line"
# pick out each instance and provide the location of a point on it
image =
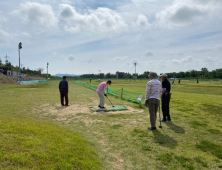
(24, 70)
(203, 73)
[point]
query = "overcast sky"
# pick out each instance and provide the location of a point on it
(84, 36)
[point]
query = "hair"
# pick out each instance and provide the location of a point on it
(109, 81)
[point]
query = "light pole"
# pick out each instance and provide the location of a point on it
(135, 69)
(19, 47)
(47, 70)
(99, 74)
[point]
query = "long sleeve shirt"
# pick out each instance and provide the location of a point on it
(153, 89)
(102, 87)
(63, 85)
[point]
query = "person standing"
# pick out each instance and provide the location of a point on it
(101, 90)
(63, 88)
(165, 98)
(90, 80)
(152, 99)
(179, 81)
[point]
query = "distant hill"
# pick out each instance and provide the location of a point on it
(61, 75)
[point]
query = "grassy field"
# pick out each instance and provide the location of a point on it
(116, 140)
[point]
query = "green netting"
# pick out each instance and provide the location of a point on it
(110, 108)
(33, 81)
(118, 92)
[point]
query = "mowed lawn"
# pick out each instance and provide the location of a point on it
(121, 140)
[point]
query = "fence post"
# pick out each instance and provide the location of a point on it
(122, 93)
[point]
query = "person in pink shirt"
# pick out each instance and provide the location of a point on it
(101, 90)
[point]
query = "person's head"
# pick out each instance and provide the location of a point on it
(64, 77)
(152, 75)
(109, 82)
(164, 76)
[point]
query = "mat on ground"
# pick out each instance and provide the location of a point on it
(110, 108)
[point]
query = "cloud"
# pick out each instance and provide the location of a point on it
(25, 34)
(101, 19)
(120, 58)
(2, 19)
(142, 21)
(219, 47)
(187, 59)
(71, 58)
(210, 59)
(89, 61)
(148, 54)
(130, 63)
(182, 13)
(3, 36)
(37, 13)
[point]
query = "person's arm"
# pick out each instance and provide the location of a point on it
(148, 89)
(104, 89)
(59, 85)
(67, 86)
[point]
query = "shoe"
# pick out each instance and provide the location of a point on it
(152, 128)
(102, 107)
(169, 120)
(99, 106)
(163, 120)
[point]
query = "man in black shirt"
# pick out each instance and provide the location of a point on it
(165, 98)
(63, 88)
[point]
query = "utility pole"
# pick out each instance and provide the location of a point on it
(19, 47)
(47, 70)
(99, 74)
(135, 69)
(6, 57)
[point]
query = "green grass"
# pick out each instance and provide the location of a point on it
(29, 144)
(121, 140)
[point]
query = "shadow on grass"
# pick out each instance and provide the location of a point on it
(164, 140)
(175, 128)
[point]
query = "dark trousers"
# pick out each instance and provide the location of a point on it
(63, 93)
(165, 107)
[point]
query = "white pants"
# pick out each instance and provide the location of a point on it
(102, 99)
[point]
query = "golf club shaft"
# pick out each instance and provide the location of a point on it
(159, 115)
(109, 101)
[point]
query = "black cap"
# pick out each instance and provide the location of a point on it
(64, 77)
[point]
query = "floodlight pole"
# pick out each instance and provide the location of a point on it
(47, 70)
(19, 47)
(135, 69)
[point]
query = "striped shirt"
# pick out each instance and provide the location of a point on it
(153, 89)
(102, 87)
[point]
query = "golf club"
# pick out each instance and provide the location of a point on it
(110, 101)
(160, 118)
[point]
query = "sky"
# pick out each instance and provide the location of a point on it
(85, 36)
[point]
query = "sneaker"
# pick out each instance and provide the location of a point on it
(99, 106)
(102, 107)
(169, 120)
(163, 120)
(152, 128)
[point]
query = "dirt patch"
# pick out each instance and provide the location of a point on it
(5, 81)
